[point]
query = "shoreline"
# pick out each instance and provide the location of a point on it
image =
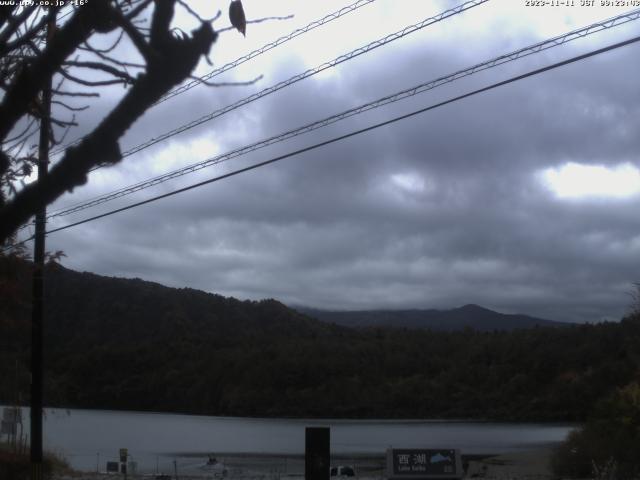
(524, 464)
(247, 466)
(306, 419)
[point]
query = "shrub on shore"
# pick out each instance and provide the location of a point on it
(607, 445)
(17, 466)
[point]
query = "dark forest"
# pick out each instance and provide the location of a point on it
(130, 344)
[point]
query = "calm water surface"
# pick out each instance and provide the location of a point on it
(88, 438)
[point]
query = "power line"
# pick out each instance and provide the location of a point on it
(316, 23)
(239, 61)
(279, 86)
(523, 52)
(306, 74)
(352, 134)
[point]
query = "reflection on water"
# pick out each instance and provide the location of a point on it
(88, 439)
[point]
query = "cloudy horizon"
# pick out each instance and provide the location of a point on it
(523, 199)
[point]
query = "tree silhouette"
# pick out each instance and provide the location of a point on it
(78, 68)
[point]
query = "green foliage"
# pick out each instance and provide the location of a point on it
(608, 445)
(17, 466)
(135, 345)
(14, 466)
(14, 326)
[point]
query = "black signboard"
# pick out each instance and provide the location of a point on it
(424, 463)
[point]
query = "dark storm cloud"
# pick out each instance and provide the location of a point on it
(438, 211)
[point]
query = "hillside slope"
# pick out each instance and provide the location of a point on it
(129, 344)
(468, 316)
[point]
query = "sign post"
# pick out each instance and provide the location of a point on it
(11, 417)
(423, 463)
(123, 461)
(316, 453)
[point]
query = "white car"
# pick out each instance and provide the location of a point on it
(343, 471)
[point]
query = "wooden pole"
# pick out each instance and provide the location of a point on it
(37, 312)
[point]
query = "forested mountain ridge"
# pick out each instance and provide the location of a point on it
(88, 307)
(467, 316)
(130, 344)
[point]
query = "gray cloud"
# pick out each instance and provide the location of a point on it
(438, 211)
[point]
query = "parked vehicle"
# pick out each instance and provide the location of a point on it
(343, 471)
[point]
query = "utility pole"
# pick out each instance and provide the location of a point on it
(37, 364)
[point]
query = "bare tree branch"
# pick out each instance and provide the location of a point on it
(13, 23)
(138, 9)
(227, 84)
(120, 63)
(136, 37)
(31, 79)
(258, 20)
(195, 14)
(28, 37)
(90, 83)
(172, 60)
(21, 134)
(69, 107)
(75, 94)
(108, 49)
(63, 123)
(101, 66)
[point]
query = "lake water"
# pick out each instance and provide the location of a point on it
(89, 438)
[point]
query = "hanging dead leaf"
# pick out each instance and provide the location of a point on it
(236, 16)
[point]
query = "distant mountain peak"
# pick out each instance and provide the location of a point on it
(474, 307)
(470, 315)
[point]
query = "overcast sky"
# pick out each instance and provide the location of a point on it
(523, 199)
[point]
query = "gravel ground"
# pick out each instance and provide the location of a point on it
(526, 465)
(533, 464)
